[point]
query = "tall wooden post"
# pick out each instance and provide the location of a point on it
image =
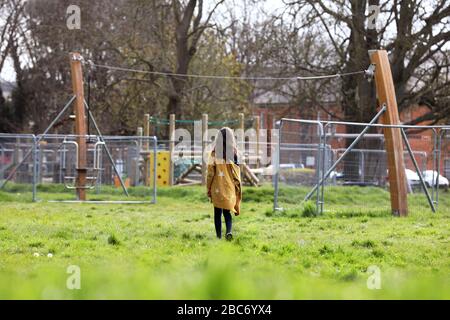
(204, 145)
(80, 124)
(171, 148)
(139, 133)
(241, 142)
(257, 129)
(146, 150)
(146, 130)
(393, 139)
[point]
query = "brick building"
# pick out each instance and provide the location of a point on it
(272, 107)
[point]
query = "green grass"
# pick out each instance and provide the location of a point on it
(168, 250)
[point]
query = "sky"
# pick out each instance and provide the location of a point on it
(8, 73)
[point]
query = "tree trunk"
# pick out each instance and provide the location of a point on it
(359, 96)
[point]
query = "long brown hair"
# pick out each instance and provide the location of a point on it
(225, 147)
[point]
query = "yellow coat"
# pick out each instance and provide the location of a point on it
(224, 184)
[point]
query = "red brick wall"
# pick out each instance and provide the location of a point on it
(420, 141)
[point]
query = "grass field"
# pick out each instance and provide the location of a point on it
(168, 250)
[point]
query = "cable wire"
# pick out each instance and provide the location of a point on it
(337, 75)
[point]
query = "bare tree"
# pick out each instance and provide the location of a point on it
(167, 36)
(12, 23)
(185, 22)
(416, 34)
(10, 12)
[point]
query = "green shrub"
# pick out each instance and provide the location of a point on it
(309, 210)
(112, 240)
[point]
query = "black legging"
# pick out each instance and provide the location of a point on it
(218, 220)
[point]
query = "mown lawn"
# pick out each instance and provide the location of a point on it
(168, 250)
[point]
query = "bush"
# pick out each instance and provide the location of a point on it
(309, 210)
(112, 240)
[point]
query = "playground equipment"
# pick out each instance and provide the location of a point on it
(321, 163)
(84, 161)
(184, 164)
(162, 168)
(380, 69)
(315, 139)
(97, 149)
(53, 162)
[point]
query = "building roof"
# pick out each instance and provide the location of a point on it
(270, 97)
(286, 93)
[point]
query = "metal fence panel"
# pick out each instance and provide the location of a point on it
(301, 157)
(354, 154)
(17, 158)
(52, 160)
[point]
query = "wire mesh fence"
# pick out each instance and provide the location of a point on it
(318, 159)
(17, 161)
(298, 161)
(117, 167)
(445, 156)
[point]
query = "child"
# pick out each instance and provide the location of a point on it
(224, 181)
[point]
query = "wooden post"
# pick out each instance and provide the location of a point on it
(204, 144)
(171, 148)
(139, 133)
(146, 130)
(242, 128)
(80, 124)
(269, 124)
(257, 129)
(394, 146)
(241, 143)
(146, 150)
